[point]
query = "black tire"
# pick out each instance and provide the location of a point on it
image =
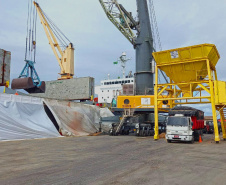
(168, 141)
(193, 140)
(127, 132)
(145, 133)
(113, 133)
(141, 133)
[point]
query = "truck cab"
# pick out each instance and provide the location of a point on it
(184, 124)
(179, 128)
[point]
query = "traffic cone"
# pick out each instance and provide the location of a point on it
(200, 139)
(16, 93)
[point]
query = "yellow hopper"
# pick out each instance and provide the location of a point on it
(188, 64)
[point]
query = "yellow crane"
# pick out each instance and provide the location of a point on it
(29, 79)
(65, 57)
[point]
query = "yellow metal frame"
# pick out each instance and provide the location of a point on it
(135, 102)
(205, 85)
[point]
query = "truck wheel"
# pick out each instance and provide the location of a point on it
(193, 139)
(113, 133)
(168, 141)
(141, 133)
(123, 132)
(127, 133)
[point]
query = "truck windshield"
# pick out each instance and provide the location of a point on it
(177, 121)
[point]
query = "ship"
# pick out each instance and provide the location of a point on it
(109, 89)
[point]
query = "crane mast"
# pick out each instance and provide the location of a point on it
(144, 48)
(65, 57)
(141, 40)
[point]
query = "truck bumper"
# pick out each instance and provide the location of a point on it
(179, 138)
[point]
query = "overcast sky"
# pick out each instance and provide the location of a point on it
(98, 43)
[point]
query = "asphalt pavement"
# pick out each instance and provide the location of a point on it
(112, 160)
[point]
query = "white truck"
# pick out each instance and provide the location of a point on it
(184, 124)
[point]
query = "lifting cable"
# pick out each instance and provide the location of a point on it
(155, 33)
(31, 37)
(57, 32)
(30, 50)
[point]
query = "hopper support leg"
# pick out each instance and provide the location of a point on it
(223, 124)
(217, 137)
(156, 136)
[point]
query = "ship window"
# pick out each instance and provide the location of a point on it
(113, 82)
(108, 90)
(123, 81)
(105, 83)
(120, 82)
(131, 80)
(108, 97)
(128, 81)
(102, 91)
(116, 82)
(102, 97)
(110, 83)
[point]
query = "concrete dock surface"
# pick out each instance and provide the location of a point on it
(112, 160)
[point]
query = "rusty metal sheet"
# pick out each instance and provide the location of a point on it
(22, 83)
(5, 61)
(75, 119)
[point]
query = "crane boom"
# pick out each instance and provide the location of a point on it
(115, 14)
(65, 57)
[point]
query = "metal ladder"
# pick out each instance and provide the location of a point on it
(127, 113)
(120, 124)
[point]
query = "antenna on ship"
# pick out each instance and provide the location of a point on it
(123, 61)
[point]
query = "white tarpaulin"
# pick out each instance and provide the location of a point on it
(105, 112)
(23, 117)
